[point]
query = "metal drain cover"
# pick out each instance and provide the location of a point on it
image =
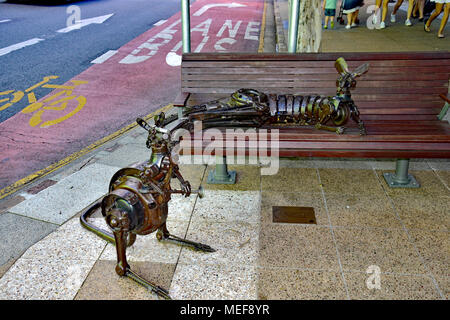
(303, 215)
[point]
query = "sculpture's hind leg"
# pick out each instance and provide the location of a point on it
(338, 130)
(164, 235)
(354, 113)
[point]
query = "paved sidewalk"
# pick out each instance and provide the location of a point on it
(361, 222)
(395, 37)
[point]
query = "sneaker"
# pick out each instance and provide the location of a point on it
(354, 25)
(382, 25)
(325, 26)
(347, 26)
(392, 18)
(332, 24)
(408, 22)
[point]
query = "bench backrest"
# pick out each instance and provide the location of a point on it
(397, 87)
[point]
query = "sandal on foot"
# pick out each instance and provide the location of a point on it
(427, 29)
(440, 36)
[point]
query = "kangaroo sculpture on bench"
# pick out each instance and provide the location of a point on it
(251, 108)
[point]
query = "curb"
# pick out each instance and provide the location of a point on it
(279, 30)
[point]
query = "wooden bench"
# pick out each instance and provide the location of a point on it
(398, 99)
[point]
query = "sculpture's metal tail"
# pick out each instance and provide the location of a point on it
(108, 236)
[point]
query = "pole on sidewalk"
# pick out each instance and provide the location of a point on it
(186, 26)
(294, 9)
(186, 35)
(401, 178)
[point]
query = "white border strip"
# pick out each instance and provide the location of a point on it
(19, 45)
(104, 56)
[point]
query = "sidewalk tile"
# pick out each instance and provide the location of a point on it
(294, 284)
(361, 210)
(103, 283)
(7, 203)
(60, 202)
(297, 246)
(418, 212)
(17, 233)
(342, 164)
(228, 206)
(439, 164)
(44, 279)
(444, 285)
(180, 207)
(347, 181)
(292, 180)
(213, 282)
(435, 248)
(391, 250)
(236, 243)
(69, 242)
(125, 155)
(297, 163)
(392, 287)
(445, 176)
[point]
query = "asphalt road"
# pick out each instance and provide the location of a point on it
(66, 54)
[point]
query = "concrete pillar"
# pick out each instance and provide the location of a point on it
(310, 26)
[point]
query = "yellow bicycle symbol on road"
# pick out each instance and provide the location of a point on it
(53, 104)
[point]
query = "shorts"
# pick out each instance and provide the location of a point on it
(330, 12)
(352, 5)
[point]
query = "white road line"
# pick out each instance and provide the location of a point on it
(209, 6)
(85, 22)
(20, 45)
(160, 22)
(104, 56)
(6, 20)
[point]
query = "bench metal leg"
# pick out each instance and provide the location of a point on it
(221, 175)
(401, 178)
(180, 112)
(444, 110)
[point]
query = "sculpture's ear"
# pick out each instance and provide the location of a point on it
(341, 66)
(360, 70)
(159, 119)
(143, 123)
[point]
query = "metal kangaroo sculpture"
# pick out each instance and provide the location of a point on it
(137, 202)
(251, 108)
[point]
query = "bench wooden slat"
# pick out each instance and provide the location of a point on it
(359, 56)
(320, 64)
(364, 111)
(428, 93)
(329, 69)
(384, 145)
(311, 135)
(391, 77)
(399, 87)
(349, 153)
